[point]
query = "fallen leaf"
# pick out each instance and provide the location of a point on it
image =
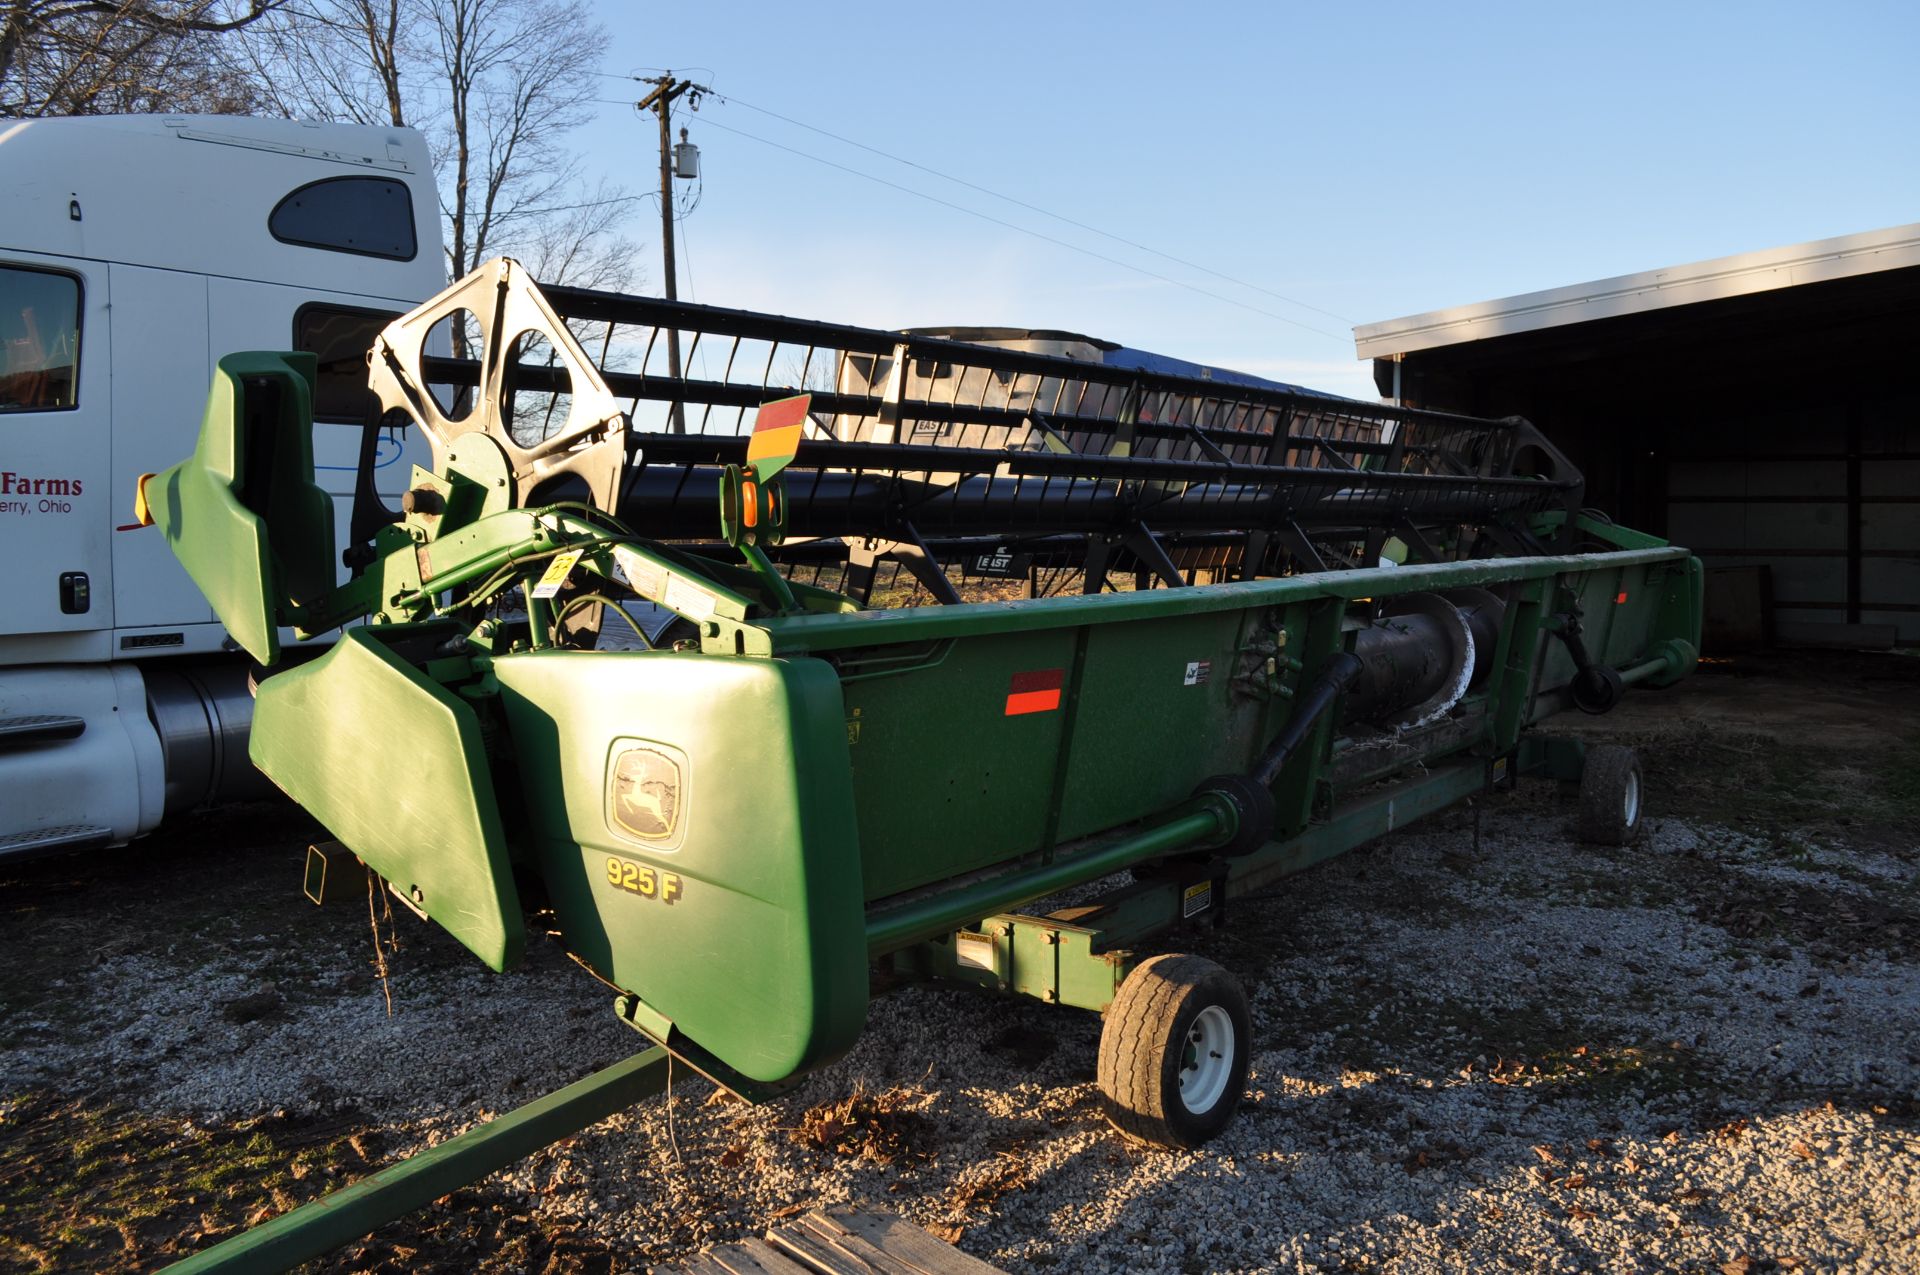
(1671, 1135)
(1804, 1151)
(1600, 1146)
(733, 1156)
(1572, 1181)
(1579, 1213)
(1630, 1165)
(1740, 1265)
(1546, 1153)
(950, 1232)
(1692, 1195)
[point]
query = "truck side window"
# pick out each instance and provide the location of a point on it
(372, 216)
(39, 340)
(341, 337)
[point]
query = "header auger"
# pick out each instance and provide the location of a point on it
(1342, 616)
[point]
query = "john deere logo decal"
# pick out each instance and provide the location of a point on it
(643, 794)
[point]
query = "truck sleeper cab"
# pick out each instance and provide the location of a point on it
(134, 253)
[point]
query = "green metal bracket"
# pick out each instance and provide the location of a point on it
(1513, 660)
(659, 1029)
(1297, 788)
(1043, 957)
(393, 1192)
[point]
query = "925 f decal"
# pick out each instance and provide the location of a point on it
(638, 878)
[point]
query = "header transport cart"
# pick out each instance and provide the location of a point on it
(1334, 618)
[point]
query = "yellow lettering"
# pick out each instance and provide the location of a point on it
(648, 883)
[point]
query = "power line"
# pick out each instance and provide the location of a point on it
(611, 75)
(730, 100)
(1059, 243)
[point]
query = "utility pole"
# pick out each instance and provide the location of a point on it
(660, 102)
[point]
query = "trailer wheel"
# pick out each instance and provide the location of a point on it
(1173, 1053)
(1610, 796)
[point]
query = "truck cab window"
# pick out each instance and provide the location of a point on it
(371, 216)
(341, 337)
(39, 340)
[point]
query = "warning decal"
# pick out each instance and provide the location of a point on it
(556, 573)
(1196, 899)
(1198, 671)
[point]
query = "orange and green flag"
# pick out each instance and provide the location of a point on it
(776, 435)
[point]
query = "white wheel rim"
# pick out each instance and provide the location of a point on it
(1206, 1060)
(1630, 801)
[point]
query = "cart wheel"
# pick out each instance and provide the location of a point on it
(1173, 1053)
(1610, 803)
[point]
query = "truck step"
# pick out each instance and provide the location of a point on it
(39, 728)
(73, 836)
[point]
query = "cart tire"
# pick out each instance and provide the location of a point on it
(1611, 796)
(1173, 1052)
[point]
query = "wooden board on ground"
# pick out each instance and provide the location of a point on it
(841, 1242)
(849, 1243)
(750, 1257)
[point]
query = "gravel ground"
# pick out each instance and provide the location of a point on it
(1702, 1052)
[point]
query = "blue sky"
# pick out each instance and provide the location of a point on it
(1368, 161)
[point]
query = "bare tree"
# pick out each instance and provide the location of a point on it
(496, 85)
(349, 60)
(89, 57)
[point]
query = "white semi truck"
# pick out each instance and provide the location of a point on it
(134, 253)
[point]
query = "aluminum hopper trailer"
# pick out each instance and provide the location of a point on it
(783, 790)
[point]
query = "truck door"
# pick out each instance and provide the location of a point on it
(161, 372)
(56, 453)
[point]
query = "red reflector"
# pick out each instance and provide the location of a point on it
(782, 414)
(1621, 600)
(1035, 692)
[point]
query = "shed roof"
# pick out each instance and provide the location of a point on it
(1869, 252)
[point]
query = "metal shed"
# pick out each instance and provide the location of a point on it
(1760, 408)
